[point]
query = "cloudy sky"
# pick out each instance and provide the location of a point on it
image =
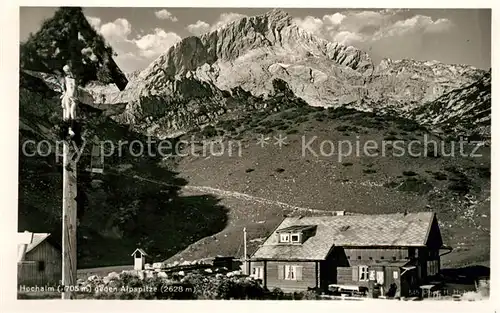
(139, 35)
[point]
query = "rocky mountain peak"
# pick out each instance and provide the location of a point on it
(250, 53)
(278, 14)
(273, 19)
(263, 39)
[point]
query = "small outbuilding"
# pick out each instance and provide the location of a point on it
(139, 259)
(39, 260)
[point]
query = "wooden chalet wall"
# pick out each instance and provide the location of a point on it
(338, 269)
(308, 276)
(377, 259)
(42, 266)
(348, 257)
(431, 252)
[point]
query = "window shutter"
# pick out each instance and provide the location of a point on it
(355, 273)
(380, 277)
(298, 271)
(41, 266)
(281, 272)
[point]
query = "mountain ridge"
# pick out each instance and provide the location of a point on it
(250, 53)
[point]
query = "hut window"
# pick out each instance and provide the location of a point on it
(432, 267)
(290, 272)
(395, 274)
(258, 272)
(363, 273)
(41, 266)
(372, 275)
(284, 237)
(359, 257)
(293, 272)
(138, 255)
(394, 258)
(295, 238)
(370, 258)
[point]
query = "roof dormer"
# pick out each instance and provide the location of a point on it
(297, 234)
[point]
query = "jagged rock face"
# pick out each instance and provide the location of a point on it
(68, 38)
(242, 53)
(183, 103)
(190, 102)
(252, 52)
(273, 32)
(462, 109)
(410, 83)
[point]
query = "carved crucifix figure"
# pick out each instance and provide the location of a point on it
(69, 99)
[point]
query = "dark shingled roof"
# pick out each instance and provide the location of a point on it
(410, 230)
(295, 228)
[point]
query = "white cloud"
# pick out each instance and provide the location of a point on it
(440, 25)
(198, 28)
(133, 53)
(365, 21)
(152, 45)
(129, 62)
(95, 22)
(350, 27)
(226, 18)
(334, 19)
(346, 37)
(165, 15)
(415, 24)
(202, 27)
(116, 31)
(310, 24)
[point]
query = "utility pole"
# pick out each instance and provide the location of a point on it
(245, 250)
(69, 220)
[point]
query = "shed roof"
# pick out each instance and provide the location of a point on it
(382, 230)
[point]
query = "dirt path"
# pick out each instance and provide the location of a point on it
(232, 194)
(221, 193)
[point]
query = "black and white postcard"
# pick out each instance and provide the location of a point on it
(254, 153)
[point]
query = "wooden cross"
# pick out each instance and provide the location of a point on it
(69, 252)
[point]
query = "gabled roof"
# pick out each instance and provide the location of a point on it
(34, 240)
(141, 251)
(410, 230)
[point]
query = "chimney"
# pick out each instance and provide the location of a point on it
(25, 238)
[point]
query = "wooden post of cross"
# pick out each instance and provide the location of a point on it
(69, 221)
